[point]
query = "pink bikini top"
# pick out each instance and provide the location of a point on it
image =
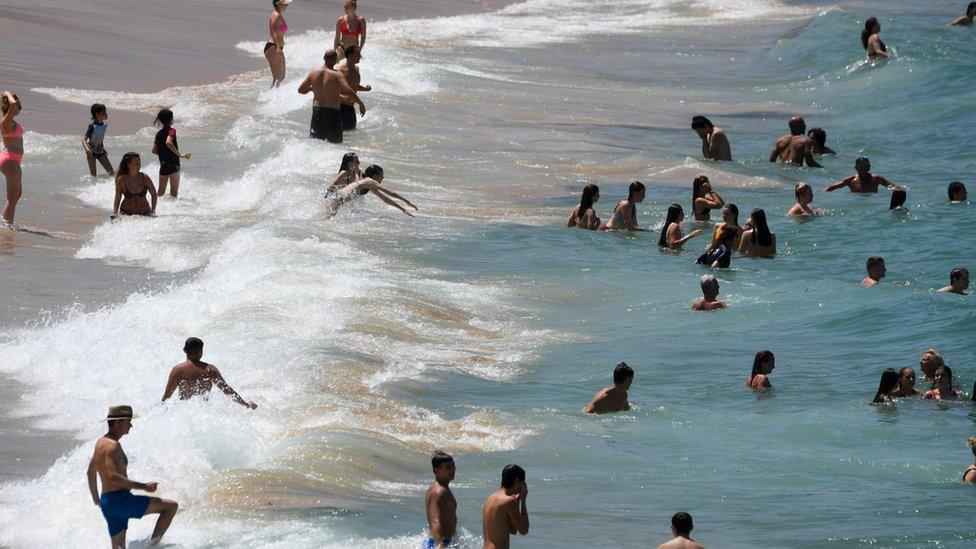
(18, 131)
(282, 27)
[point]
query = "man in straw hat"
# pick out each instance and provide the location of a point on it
(117, 502)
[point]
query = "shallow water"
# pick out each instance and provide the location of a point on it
(483, 325)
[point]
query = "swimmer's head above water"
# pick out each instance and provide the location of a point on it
(330, 57)
(623, 375)
(700, 186)
(701, 125)
(164, 118)
(374, 172)
(350, 161)
(636, 192)
(764, 363)
(682, 524)
(862, 164)
(798, 126)
(730, 214)
(957, 192)
(819, 136)
(709, 287)
(871, 27)
(802, 192)
(443, 466)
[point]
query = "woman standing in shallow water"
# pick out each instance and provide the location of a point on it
(127, 178)
(274, 51)
(583, 215)
(871, 41)
(350, 29)
(12, 154)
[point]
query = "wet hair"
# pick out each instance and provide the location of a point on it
(971, 7)
(798, 126)
(622, 373)
(330, 56)
(674, 211)
(801, 189)
(440, 459)
(761, 357)
(123, 170)
(5, 103)
(956, 187)
(818, 135)
(634, 188)
(164, 118)
(512, 474)
(192, 344)
(860, 159)
(873, 261)
(868, 30)
(373, 171)
(346, 160)
(353, 2)
(97, 109)
(760, 230)
(735, 212)
(958, 273)
(889, 380)
(682, 523)
(708, 282)
(696, 188)
(898, 197)
(905, 370)
(947, 371)
(586, 201)
(700, 121)
(351, 50)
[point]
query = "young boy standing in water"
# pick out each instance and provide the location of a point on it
(440, 502)
(681, 526)
(504, 512)
(93, 142)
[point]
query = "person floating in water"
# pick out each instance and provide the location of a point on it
(167, 148)
(795, 147)
(350, 70)
(505, 512)
(94, 140)
(715, 145)
(440, 503)
(704, 199)
(681, 527)
(584, 216)
(762, 366)
(131, 187)
(966, 20)
(970, 475)
(12, 154)
(614, 397)
(671, 237)
(863, 181)
(958, 282)
(871, 40)
(889, 382)
(372, 181)
(328, 86)
(804, 197)
(118, 504)
(819, 138)
(941, 385)
(274, 49)
(196, 377)
(624, 215)
(957, 192)
(757, 240)
(906, 383)
(709, 300)
(876, 271)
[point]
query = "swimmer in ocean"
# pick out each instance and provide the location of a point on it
(709, 300)
(757, 240)
(863, 181)
(969, 476)
(715, 145)
(671, 237)
(195, 377)
(704, 199)
(889, 382)
(795, 147)
(966, 20)
(942, 385)
(583, 215)
(930, 361)
(94, 140)
(819, 138)
(350, 70)
(328, 87)
(372, 181)
(876, 271)
(681, 527)
(730, 219)
(958, 282)
(871, 40)
(762, 366)
(505, 512)
(957, 192)
(440, 503)
(624, 216)
(614, 397)
(906, 383)
(349, 173)
(804, 197)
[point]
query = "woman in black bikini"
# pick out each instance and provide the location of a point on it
(870, 39)
(704, 199)
(274, 50)
(131, 187)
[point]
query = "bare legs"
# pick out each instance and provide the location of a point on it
(104, 161)
(167, 510)
(276, 60)
(173, 180)
(11, 171)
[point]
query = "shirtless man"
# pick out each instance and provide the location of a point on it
(863, 181)
(118, 504)
(195, 377)
(681, 527)
(958, 282)
(715, 146)
(709, 301)
(876, 271)
(440, 502)
(327, 86)
(819, 138)
(794, 148)
(613, 398)
(504, 512)
(350, 70)
(804, 197)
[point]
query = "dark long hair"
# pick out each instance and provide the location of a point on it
(124, 167)
(889, 380)
(164, 118)
(634, 188)
(867, 32)
(373, 171)
(760, 230)
(674, 210)
(696, 187)
(346, 159)
(5, 102)
(735, 212)
(586, 201)
(761, 356)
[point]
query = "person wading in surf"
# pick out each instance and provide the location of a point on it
(196, 377)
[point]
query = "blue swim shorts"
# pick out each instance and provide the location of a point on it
(431, 544)
(120, 506)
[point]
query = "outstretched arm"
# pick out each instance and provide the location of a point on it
(886, 183)
(839, 185)
(380, 188)
(229, 391)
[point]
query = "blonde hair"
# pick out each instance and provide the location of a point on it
(972, 444)
(801, 189)
(937, 354)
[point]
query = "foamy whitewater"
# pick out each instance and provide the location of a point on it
(483, 325)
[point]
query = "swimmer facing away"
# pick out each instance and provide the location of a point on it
(863, 181)
(681, 527)
(715, 145)
(889, 382)
(958, 282)
(505, 512)
(967, 19)
(195, 377)
(762, 366)
(957, 192)
(614, 397)
(871, 41)
(876, 271)
(440, 503)
(795, 147)
(372, 181)
(584, 216)
(709, 301)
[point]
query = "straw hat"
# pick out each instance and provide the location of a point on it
(120, 412)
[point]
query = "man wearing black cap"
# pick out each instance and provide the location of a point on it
(863, 181)
(196, 377)
(117, 503)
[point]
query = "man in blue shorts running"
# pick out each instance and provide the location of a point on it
(117, 502)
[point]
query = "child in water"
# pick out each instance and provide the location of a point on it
(167, 149)
(93, 142)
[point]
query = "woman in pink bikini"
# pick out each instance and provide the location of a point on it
(350, 30)
(12, 154)
(274, 51)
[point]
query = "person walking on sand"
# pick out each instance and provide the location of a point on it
(195, 377)
(327, 86)
(117, 503)
(274, 49)
(440, 503)
(505, 512)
